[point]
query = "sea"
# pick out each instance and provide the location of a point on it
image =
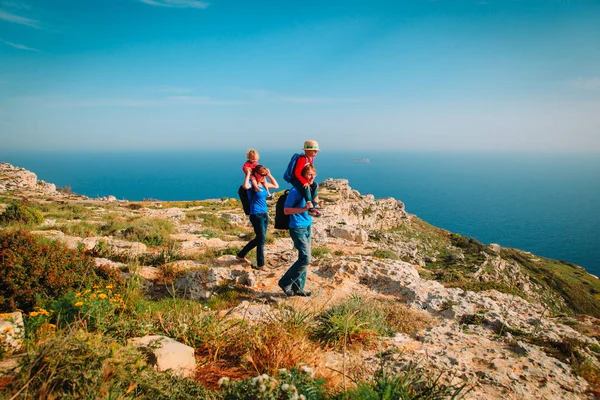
(548, 204)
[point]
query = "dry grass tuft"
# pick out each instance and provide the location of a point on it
(405, 319)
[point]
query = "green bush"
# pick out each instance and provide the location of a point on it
(19, 213)
(34, 270)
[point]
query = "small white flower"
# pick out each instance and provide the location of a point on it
(265, 377)
(262, 388)
(255, 380)
(282, 370)
(293, 388)
(302, 397)
(294, 396)
(285, 387)
(308, 370)
(224, 381)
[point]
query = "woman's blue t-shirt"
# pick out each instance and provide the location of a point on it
(258, 201)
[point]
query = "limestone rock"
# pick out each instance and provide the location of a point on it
(200, 284)
(168, 354)
(344, 206)
(12, 330)
(15, 178)
(349, 232)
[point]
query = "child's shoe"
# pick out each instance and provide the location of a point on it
(314, 213)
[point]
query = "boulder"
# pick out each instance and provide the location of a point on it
(200, 284)
(168, 354)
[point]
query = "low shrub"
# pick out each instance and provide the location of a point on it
(81, 229)
(408, 384)
(355, 320)
(83, 365)
(21, 214)
(298, 383)
(381, 253)
(34, 270)
(319, 251)
(153, 232)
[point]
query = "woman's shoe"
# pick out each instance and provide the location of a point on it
(242, 259)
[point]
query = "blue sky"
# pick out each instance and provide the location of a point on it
(503, 75)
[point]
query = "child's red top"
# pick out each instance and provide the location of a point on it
(249, 164)
(300, 163)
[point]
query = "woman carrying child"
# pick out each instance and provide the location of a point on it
(259, 217)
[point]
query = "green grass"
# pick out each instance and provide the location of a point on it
(319, 251)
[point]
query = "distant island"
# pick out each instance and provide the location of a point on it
(360, 160)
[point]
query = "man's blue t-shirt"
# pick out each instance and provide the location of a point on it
(258, 201)
(295, 200)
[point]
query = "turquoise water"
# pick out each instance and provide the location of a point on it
(547, 204)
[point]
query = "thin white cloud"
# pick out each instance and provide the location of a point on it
(173, 89)
(321, 100)
(203, 101)
(6, 16)
(19, 46)
(61, 102)
(16, 4)
(587, 83)
(177, 3)
(276, 97)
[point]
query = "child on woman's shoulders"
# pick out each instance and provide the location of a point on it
(252, 158)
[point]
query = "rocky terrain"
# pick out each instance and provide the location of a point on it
(505, 323)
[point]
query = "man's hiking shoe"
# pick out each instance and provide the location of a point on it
(302, 293)
(288, 291)
(314, 213)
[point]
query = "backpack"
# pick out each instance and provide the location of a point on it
(289, 172)
(245, 199)
(282, 221)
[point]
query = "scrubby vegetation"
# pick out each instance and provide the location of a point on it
(357, 320)
(21, 214)
(34, 270)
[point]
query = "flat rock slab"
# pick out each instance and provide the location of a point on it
(168, 354)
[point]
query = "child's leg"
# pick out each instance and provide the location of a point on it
(314, 188)
(303, 191)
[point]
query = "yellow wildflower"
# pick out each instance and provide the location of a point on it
(86, 291)
(109, 286)
(77, 295)
(102, 296)
(95, 287)
(8, 329)
(34, 314)
(6, 315)
(92, 296)
(78, 304)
